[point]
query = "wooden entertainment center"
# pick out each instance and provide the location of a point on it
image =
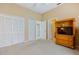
(65, 32)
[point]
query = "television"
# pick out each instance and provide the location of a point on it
(65, 30)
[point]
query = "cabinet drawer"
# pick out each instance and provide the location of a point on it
(70, 43)
(62, 42)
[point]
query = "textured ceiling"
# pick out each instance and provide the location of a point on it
(40, 7)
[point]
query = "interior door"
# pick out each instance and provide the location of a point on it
(38, 23)
(31, 29)
(43, 30)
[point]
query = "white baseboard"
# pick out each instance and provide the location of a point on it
(11, 44)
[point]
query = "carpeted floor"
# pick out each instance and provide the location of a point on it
(38, 47)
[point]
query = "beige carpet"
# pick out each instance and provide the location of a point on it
(38, 47)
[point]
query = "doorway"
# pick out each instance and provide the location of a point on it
(37, 29)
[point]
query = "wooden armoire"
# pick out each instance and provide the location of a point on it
(65, 32)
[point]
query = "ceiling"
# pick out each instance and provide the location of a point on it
(40, 7)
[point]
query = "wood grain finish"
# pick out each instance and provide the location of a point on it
(65, 40)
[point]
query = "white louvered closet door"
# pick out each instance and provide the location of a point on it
(11, 30)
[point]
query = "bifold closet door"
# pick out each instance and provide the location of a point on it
(11, 30)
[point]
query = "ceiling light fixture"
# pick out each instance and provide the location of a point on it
(58, 3)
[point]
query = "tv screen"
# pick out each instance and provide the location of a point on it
(65, 30)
